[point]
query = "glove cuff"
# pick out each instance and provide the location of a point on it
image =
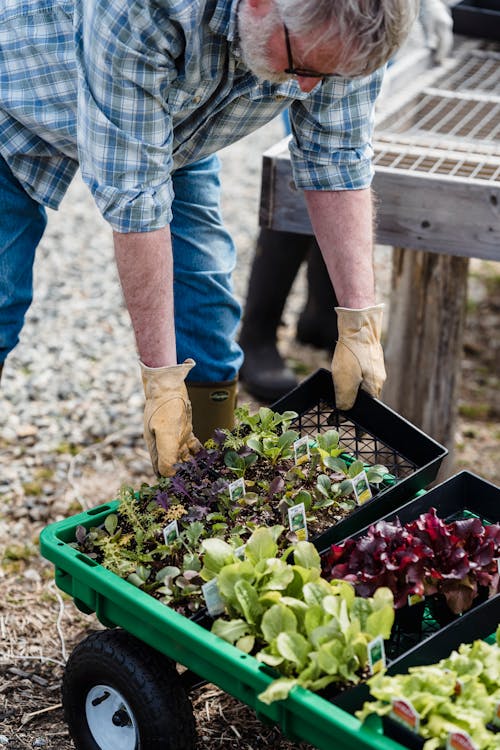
(380, 306)
(368, 319)
(158, 380)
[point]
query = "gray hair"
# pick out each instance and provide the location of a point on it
(370, 31)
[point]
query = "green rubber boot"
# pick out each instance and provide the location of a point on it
(213, 406)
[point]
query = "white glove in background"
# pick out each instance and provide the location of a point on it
(437, 25)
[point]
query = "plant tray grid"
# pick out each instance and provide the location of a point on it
(374, 434)
(451, 122)
(410, 158)
(476, 71)
(441, 115)
(364, 445)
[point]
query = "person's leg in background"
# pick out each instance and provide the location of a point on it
(317, 323)
(207, 314)
(22, 223)
(278, 257)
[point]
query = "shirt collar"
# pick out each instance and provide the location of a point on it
(225, 19)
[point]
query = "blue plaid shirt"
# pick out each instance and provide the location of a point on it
(133, 89)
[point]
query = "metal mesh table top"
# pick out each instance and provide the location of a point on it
(452, 126)
(403, 156)
(478, 71)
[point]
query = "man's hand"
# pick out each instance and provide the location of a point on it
(168, 429)
(358, 359)
(437, 24)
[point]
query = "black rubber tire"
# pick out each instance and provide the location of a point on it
(146, 680)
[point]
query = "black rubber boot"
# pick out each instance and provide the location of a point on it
(317, 324)
(278, 257)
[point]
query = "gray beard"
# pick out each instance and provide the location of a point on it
(254, 38)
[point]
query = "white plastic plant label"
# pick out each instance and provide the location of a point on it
(213, 600)
(404, 712)
(171, 532)
(301, 449)
(361, 488)
(376, 655)
(237, 489)
(460, 741)
(297, 521)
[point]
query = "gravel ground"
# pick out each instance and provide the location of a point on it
(71, 411)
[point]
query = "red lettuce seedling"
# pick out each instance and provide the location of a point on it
(463, 557)
(387, 555)
(425, 557)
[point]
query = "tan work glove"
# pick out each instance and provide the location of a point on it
(168, 429)
(358, 359)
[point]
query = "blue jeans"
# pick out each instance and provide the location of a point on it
(22, 223)
(206, 313)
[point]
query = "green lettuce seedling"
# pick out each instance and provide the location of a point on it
(312, 632)
(460, 693)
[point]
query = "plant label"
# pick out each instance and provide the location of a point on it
(213, 600)
(301, 450)
(459, 741)
(297, 521)
(496, 715)
(376, 655)
(404, 712)
(361, 487)
(237, 490)
(415, 599)
(171, 532)
(240, 552)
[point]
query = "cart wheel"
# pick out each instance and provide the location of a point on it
(119, 694)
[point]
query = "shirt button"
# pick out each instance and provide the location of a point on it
(279, 97)
(196, 99)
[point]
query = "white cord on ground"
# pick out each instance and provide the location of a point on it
(64, 653)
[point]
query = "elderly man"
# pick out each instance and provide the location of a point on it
(279, 256)
(141, 95)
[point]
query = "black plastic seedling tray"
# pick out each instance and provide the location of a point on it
(375, 434)
(477, 624)
(461, 496)
(447, 642)
(477, 18)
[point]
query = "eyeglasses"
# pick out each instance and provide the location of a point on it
(300, 72)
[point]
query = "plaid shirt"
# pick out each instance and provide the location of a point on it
(130, 92)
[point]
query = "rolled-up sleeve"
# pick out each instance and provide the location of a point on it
(331, 147)
(124, 129)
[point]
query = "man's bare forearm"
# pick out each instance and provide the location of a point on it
(343, 225)
(145, 266)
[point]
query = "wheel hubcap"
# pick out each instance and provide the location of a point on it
(110, 719)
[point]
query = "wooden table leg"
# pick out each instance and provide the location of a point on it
(424, 343)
